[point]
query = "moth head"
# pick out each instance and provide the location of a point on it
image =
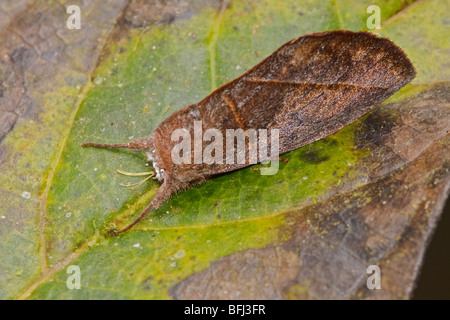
(153, 157)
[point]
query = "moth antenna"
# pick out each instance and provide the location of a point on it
(136, 174)
(137, 185)
(134, 186)
(163, 193)
(141, 143)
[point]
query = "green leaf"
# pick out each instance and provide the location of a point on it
(369, 194)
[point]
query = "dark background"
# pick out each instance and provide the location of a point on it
(434, 280)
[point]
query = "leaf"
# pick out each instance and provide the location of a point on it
(369, 194)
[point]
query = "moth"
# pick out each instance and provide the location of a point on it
(309, 88)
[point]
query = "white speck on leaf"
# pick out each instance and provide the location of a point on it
(179, 254)
(26, 195)
(98, 80)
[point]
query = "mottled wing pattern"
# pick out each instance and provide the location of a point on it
(311, 87)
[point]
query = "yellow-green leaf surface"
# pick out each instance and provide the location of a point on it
(130, 66)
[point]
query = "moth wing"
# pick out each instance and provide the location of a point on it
(308, 89)
(311, 87)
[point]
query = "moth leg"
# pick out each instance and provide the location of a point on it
(141, 143)
(136, 185)
(162, 195)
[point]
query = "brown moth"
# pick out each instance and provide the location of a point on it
(309, 88)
